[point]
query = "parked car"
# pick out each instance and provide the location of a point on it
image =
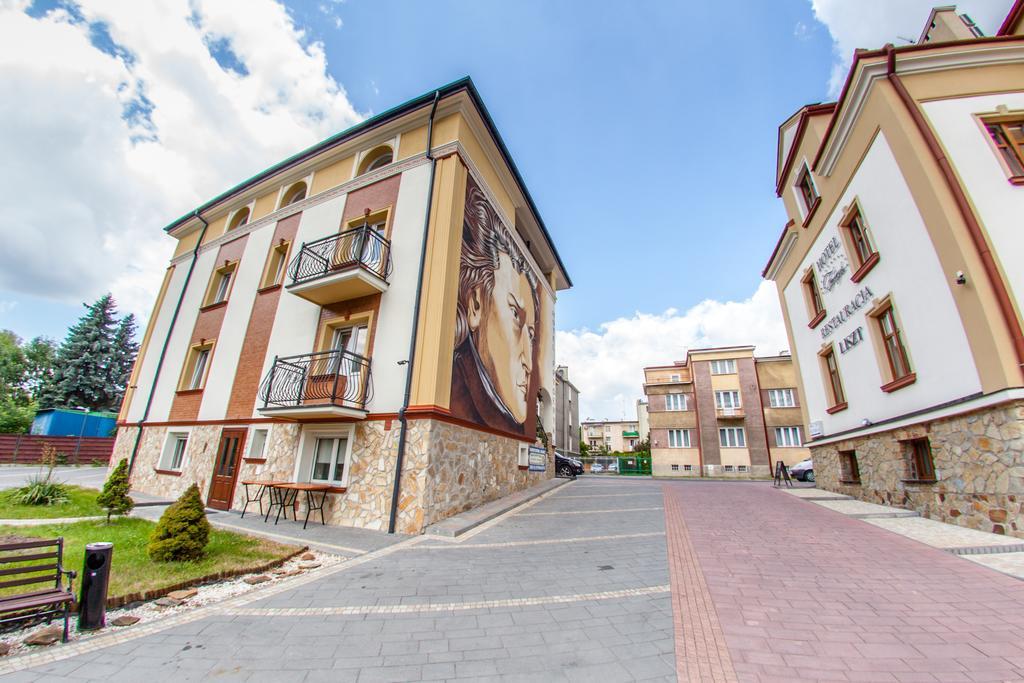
(596, 467)
(566, 466)
(803, 470)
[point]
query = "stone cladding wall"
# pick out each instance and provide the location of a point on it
(979, 463)
(447, 469)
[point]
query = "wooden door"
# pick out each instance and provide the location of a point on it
(225, 468)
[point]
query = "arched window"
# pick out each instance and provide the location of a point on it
(377, 157)
(240, 218)
(295, 193)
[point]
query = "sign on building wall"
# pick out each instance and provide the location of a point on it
(538, 459)
(496, 375)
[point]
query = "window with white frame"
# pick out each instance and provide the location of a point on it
(727, 399)
(258, 443)
(524, 455)
(781, 398)
(732, 437)
(728, 468)
(675, 468)
(723, 367)
(687, 468)
(174, 451)
(787, 437)
(741, 468)
(328, 455)
(675, 402)
(679, 438)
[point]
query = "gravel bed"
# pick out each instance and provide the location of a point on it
(148, 612)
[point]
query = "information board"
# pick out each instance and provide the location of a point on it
(538, 458)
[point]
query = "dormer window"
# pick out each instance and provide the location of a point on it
(808, 193)
(240, 218)
(377, 157)
(295, 193)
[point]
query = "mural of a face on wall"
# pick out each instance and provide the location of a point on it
(494, 375)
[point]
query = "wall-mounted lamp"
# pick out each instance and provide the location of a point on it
(960, 279)
(866, 422)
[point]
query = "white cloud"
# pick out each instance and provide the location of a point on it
(118, 118)
(607, 365)
(870, 24)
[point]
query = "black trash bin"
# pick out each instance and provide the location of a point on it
(92, 602)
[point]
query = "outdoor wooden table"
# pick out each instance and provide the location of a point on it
(261, 487)
(311, 490)
(280, 498)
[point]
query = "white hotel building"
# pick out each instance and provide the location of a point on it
(900, 278)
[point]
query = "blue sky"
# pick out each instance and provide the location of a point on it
(647, 137)
(646, 133)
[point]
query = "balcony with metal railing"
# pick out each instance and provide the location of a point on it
(348, 265)
(324, 384)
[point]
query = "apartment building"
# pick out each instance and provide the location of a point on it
(373, 314)
(723, 412)
(643, 420)
(567, 414)
(899, 274)
(614, 436)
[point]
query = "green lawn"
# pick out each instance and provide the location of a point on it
(81, 503)
(132, 570)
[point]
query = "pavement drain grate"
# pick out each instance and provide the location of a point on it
(987, 549)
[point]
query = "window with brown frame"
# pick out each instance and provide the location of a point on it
(917, 454)
(892, 342)
(805, 186)
(276, 265)
(815, 306)
(1008, 136)
(835, 382)
(848, 467)
(197, 366)
(865, 255)
(220, 284)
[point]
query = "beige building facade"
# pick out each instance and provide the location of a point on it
(899, 275)
(724, 413)
(373, 316)
(613, 436)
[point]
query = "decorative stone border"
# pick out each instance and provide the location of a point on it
(122, 600)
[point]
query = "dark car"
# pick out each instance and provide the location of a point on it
(566, 466)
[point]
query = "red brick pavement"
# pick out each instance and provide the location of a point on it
(802, 593)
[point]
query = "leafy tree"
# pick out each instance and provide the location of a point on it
(183, 530)
(93, 362)
(40, 360)
(114, 496)
(12, 366)
(584, 448)
(15, 417)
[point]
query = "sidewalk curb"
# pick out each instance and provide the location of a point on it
(453, 527)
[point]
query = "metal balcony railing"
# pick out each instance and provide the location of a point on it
(362, 247)
(325, 378)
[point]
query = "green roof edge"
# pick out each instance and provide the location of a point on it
(409, 105)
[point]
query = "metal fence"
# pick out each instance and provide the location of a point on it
(335, 377)
(27, 449)
(628, 465)
(362, 247)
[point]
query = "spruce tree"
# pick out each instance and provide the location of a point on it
(82, 376)
(114, 496)
(125, 349)
(183, 530)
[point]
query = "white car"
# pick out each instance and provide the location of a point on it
(597, 467)
(803, 471)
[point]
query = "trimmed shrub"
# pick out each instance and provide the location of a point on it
(183, 530)
(114, 496)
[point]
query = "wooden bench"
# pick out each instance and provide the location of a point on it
(40, 564)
